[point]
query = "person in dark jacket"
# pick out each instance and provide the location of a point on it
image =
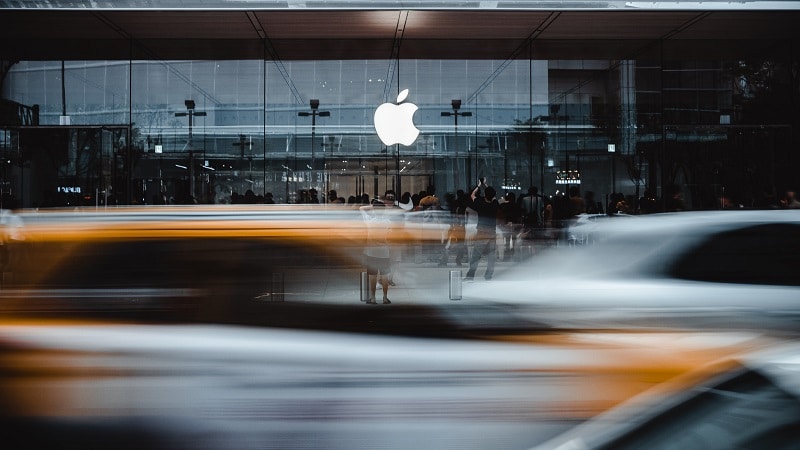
(485, 240)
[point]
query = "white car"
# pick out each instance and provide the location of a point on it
(581, 231)
(754, 404)
(728, 268)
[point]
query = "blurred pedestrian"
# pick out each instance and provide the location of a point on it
(456, 235)
(511, 223)
(561, 217)
(675, 201)
(485, 241)
(250, 197)
(648, 204)
(333, 197)
(789, 200)
(531, 209)
(377, 255)
(576, 202)
(395, 252)
(616, 203)
(592, 206)
(389, 198)
(405, 202)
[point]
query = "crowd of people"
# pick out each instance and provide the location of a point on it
(480, 219)
(556, 207)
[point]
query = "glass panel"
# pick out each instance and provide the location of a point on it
(676, 122)
(92, 93)
(199, 126)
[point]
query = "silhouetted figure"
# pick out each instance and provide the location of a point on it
(333, 197)
(457, 233)
(616, 201)
(531, 209)
(312, 196)
(377, 255)
(576, 202)
(561, 216)
(415, 202)
(675, 201)
(648, 204)
(511, 223)
(405, 201)
(789, 200)
(485, 240)
(592, 206)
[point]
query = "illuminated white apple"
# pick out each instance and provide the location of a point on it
(394, 123)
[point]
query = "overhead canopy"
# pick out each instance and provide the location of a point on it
(331, 34)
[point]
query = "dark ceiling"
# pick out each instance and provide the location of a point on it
(27, 34)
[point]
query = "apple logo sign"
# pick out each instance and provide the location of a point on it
(394, 123)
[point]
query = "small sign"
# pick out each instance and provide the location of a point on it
(568, 177)
(612, 148)
(159, 148)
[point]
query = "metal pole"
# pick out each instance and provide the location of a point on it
(313, 150)
(455, 285)
(455, 144)
(364, 286)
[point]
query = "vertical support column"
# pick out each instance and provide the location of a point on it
(455, 285)
(627, 87)
(364, 286)
(72, 150)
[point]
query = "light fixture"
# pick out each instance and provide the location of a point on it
(192, 114)
(456, 105)
(314, 104)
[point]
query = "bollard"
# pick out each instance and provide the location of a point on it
(364, 286)
(455, 285)
(277, 287)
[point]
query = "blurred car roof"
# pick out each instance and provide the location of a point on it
(326, 224)
(690, 265)
(187, 221)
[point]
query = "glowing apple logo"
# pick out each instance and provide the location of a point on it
(394, 123)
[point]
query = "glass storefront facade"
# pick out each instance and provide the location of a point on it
(210, 131)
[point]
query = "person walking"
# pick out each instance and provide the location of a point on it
(485, 240)
(457, 233)
(377, 255)
(531, 206)
(511, 224)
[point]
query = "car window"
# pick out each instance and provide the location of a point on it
(761, 254)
